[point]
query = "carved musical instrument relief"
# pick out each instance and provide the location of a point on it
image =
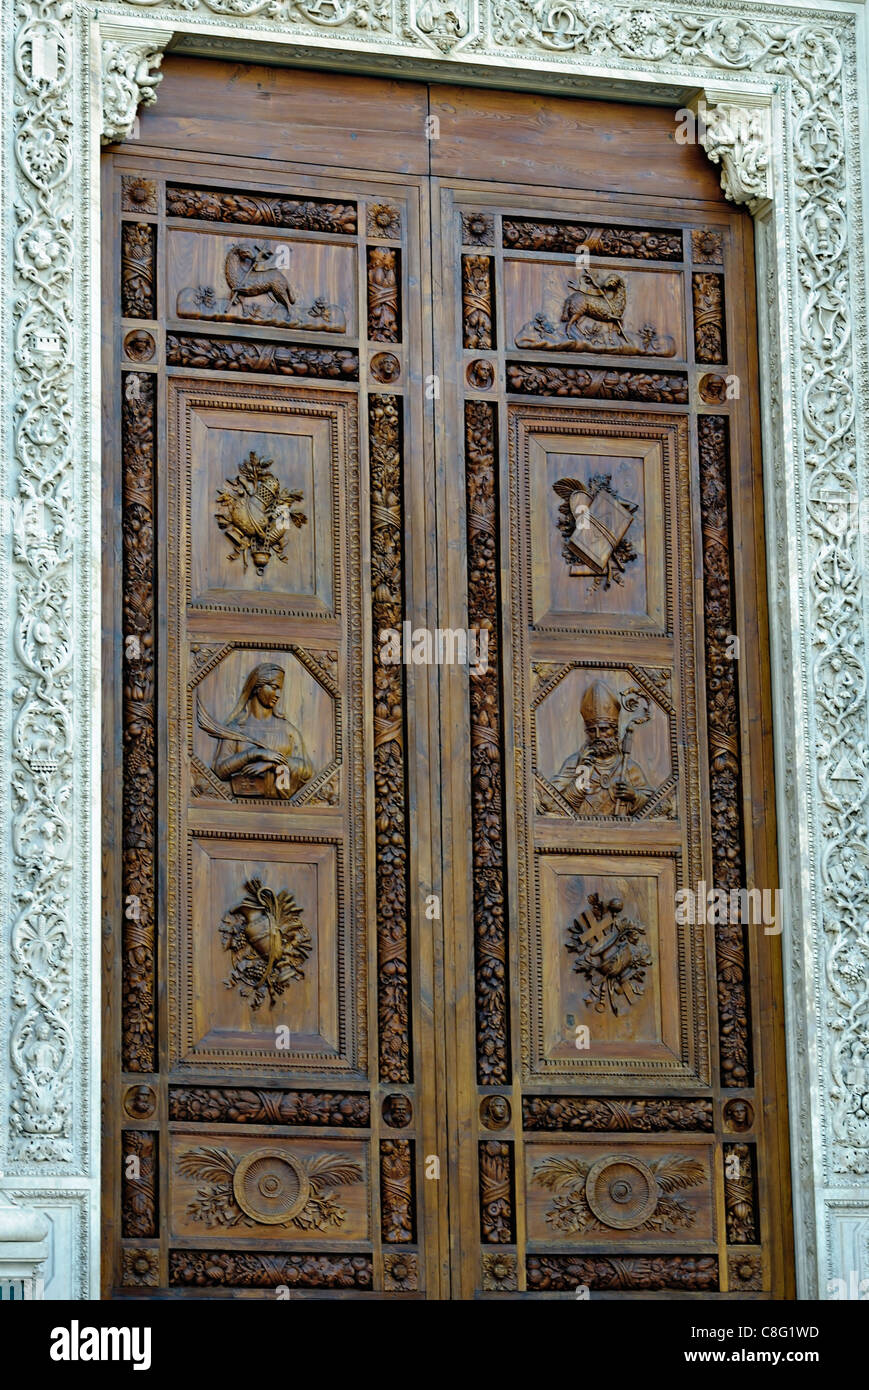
(255, 513)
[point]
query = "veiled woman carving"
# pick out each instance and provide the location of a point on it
(259, 752)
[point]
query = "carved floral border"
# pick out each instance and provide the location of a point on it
(783, 121)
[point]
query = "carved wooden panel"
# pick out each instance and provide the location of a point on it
(607, 765)
(262, 897)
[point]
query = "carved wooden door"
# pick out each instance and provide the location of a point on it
(269, 1098)
(612, 1064)
(359, 389)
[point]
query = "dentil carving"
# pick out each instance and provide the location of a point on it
(268, 943)
(269, 1187)
(618, 1192)
(256, 513)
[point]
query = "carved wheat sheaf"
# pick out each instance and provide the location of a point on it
(396, 1191)
(477, 302)
(387, 611)
(722, 717)
(487, 817)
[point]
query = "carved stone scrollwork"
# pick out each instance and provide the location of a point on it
(736, 135)
(130, 59)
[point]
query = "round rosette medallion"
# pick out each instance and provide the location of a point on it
(622, 1192)
(271, 1186)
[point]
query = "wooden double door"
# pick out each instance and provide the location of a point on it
(436, 703)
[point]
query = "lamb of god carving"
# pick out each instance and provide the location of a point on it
(259, 752)
(600, 778)
(593, 320)
(259, 292)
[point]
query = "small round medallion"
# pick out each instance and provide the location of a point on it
(270, 1186)
(622, 1192)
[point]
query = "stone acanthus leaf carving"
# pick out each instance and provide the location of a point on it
(737, 136)
(130, 77)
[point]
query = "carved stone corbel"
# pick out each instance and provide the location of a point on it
(735, 131)
(129, 57)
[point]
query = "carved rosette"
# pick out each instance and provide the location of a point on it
(139, 791)
(745, 1272)
(400, 1271)
(496, 1192)
(487, 818)
(139, 1194)
(140, 1268)
(722, 719)
(500, 1272)
(396, 1191)
(387, 611)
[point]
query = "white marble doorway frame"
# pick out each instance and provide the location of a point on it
(786, 112)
